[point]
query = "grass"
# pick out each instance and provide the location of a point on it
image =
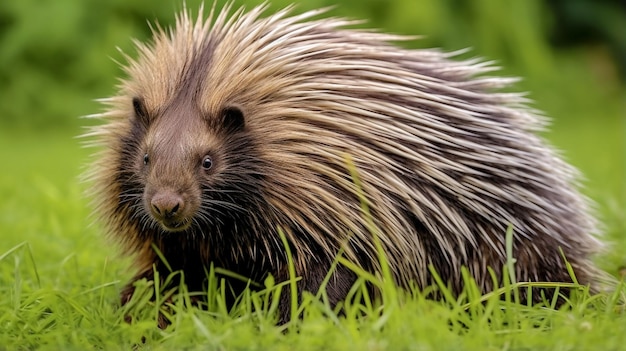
(60, 279)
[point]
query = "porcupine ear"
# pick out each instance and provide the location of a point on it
(233, 119)
(141, 114)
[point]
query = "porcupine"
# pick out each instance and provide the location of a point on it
(230, 129)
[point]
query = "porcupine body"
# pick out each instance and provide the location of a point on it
(229, 129)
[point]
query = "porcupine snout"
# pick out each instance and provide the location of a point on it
(171, 209)
(166, 206)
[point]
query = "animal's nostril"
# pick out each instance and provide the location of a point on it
(175, 209)
(156, 209)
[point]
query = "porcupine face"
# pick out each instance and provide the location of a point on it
(183, 166)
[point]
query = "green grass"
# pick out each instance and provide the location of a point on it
(60, 279)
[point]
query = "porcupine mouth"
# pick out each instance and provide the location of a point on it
(175, 226)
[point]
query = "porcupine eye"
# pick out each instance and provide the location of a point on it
(146, 159)
(207, 163)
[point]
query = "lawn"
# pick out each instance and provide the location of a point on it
(60, 277)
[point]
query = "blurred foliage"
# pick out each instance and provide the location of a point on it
(57, 56)
(591, 22)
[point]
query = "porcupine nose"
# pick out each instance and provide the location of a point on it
(166, 205)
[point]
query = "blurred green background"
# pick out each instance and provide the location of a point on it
(57, 56)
